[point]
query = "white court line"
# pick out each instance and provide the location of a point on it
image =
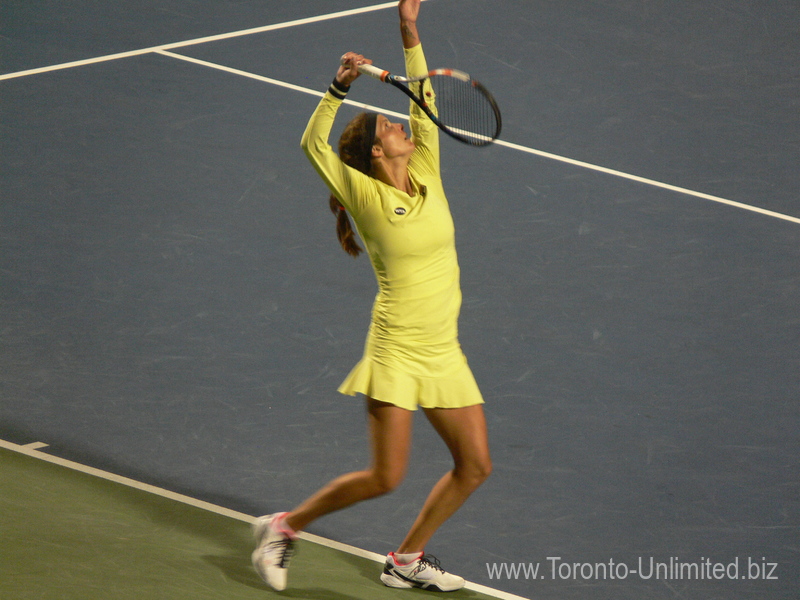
(283, 84)
(652, 182)
(35, 445)
(163, 49)
(29, 450)
(570, 161)
(203, 40)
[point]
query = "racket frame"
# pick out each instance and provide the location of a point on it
(401, 83)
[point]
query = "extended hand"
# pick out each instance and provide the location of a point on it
(409, 10)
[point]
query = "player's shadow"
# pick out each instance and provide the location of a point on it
(237, 568)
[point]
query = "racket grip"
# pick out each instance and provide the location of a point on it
(375, 72)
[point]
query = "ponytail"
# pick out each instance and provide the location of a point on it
(355, 150)
(344, 230)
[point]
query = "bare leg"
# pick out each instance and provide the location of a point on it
(464, 432)
(390, 436)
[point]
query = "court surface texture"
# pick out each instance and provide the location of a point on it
(175, 313)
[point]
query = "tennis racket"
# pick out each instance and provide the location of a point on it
(465, 110)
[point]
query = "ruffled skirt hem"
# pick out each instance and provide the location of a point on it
(386, 384)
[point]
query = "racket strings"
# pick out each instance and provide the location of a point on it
(465, 109)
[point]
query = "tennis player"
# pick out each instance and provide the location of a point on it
(390, 185)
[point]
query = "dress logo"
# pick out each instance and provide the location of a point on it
(400, 210)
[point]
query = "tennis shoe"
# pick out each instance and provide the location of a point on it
(425, 572)
(274, 550)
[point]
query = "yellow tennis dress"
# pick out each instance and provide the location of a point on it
(412, 356)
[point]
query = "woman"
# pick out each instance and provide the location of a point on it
(390, 185)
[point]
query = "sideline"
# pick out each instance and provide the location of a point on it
(33, 451)
(511, 145)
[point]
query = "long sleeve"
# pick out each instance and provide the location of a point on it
(352, 188)
(424, 132)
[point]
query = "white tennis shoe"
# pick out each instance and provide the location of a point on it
(424, 572)
(274, 550)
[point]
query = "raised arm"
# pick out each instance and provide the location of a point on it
(409, 11)
(424, 133)
(346, 183)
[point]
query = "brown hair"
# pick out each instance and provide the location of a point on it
(355, 150)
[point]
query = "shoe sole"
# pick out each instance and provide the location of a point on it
(390, 580)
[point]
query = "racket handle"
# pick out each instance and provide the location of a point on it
(372, 71)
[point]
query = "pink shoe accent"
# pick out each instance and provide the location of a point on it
(402, 564)
(279, 524)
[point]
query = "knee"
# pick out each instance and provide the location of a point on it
(384, 482)
(475, 471)
(484, 469)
